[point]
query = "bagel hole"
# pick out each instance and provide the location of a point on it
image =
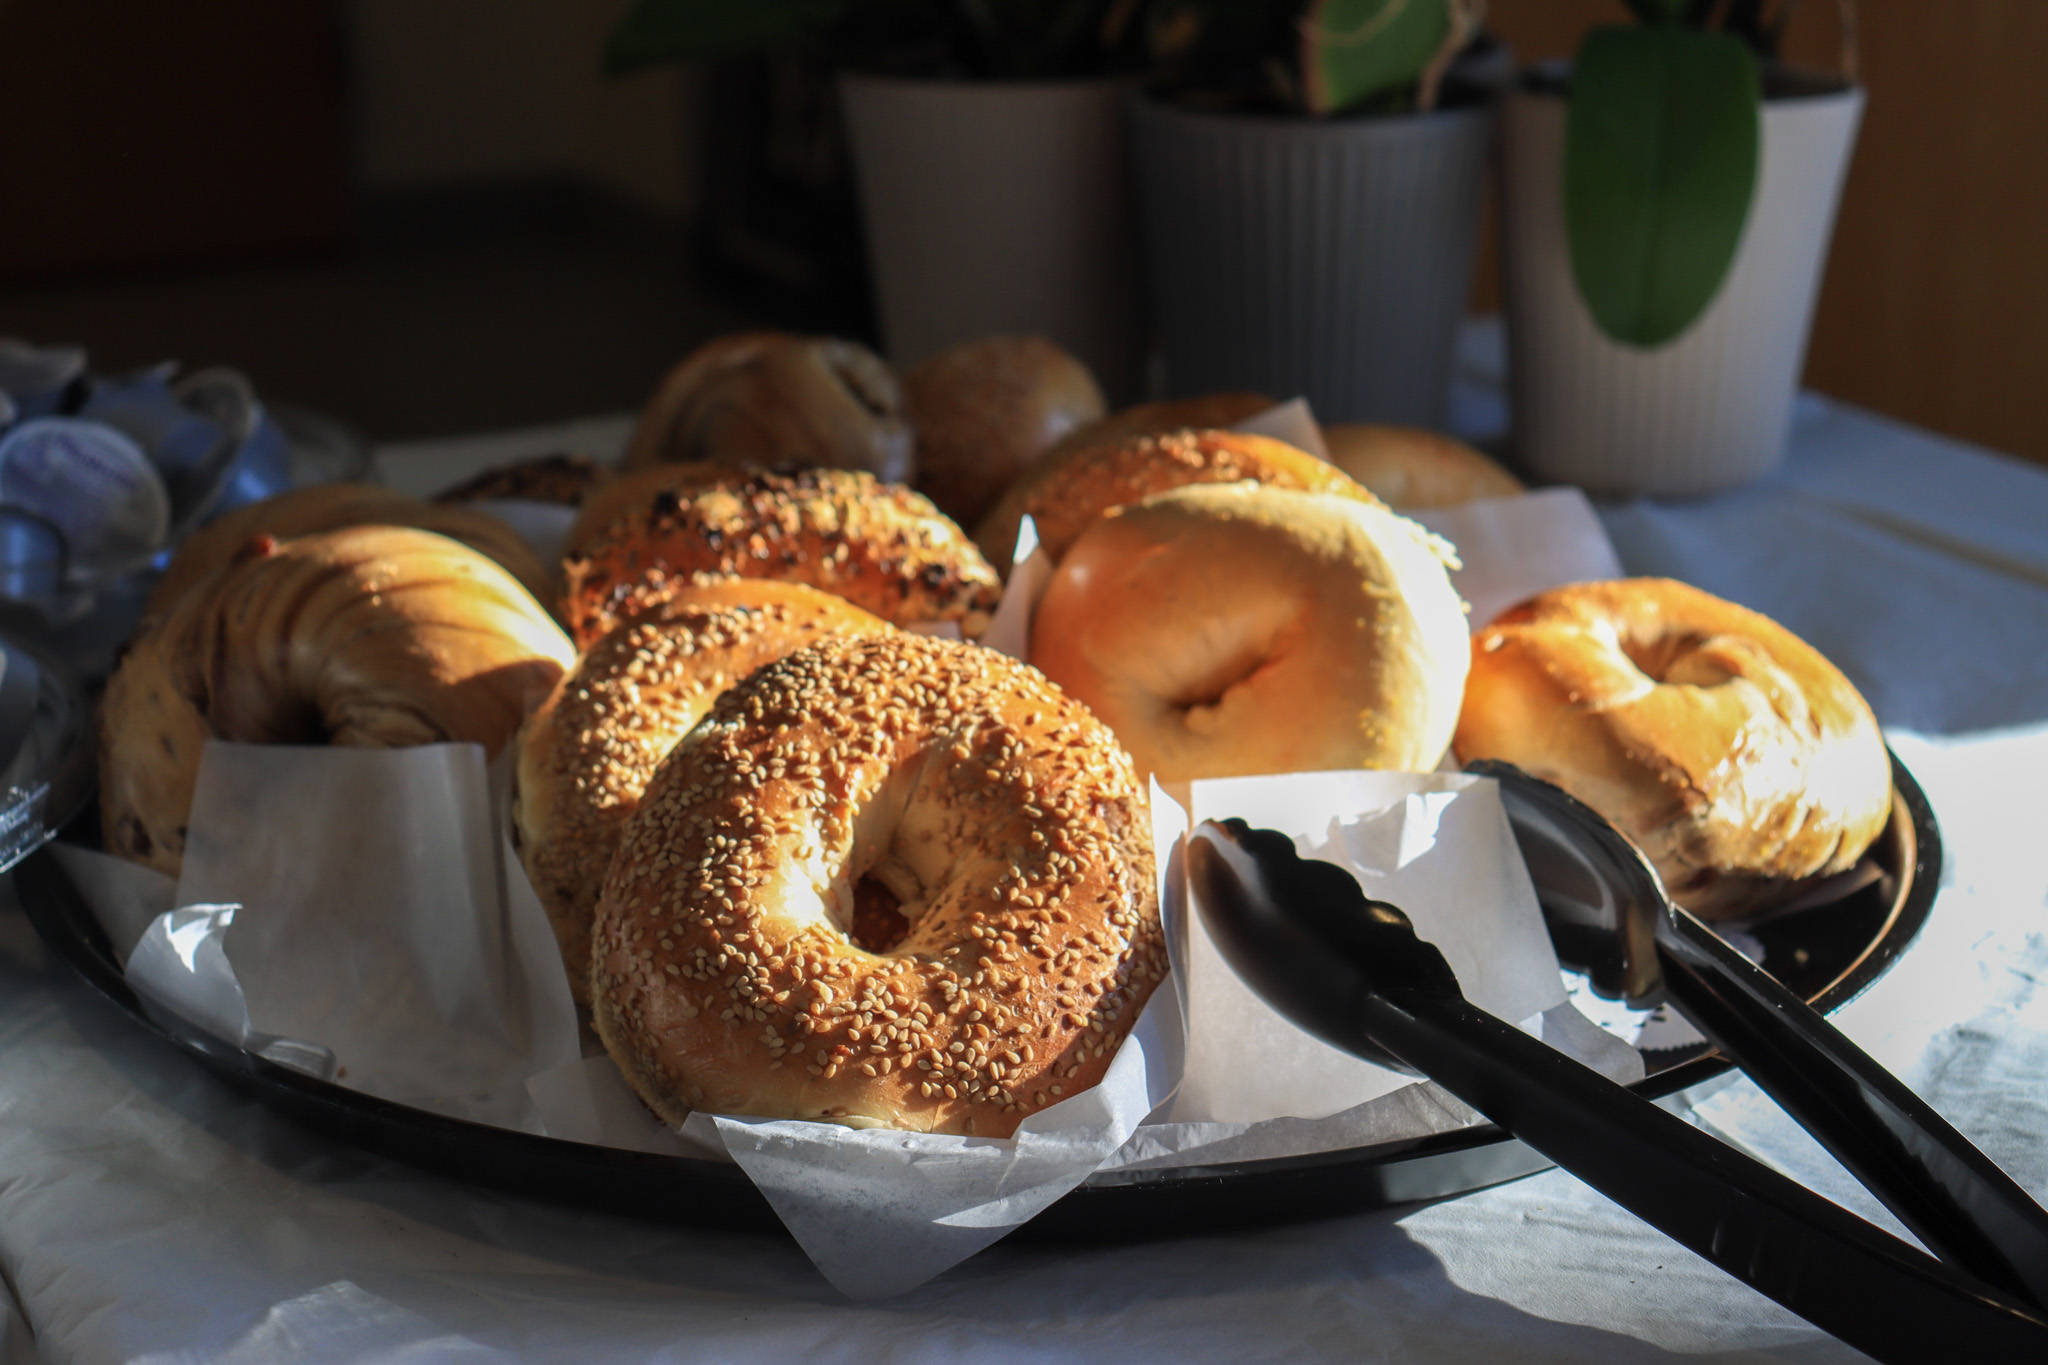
(1217, 683)
(1657, 657)
(878, 920)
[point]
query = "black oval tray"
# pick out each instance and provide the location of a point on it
(1828, 955)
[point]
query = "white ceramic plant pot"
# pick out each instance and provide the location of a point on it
(1000, 206)
(1327, 258)
(1713, 407)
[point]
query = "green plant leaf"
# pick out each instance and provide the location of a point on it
(1354, 50)
(1660, 162)
(657, 31)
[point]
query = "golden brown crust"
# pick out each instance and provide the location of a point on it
(882, 547)
(1411, 467)
(371, 636)
(1067, 492)
(329, 507)
(1209, 411)
(587, 752)
(618, 500)
(985, 410)
(769, 398)
(1223, 630)
(1730, 750)
(998, 811)
(561, 478)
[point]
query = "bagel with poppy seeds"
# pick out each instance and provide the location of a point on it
(882, 547)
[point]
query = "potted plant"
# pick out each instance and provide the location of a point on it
(988, 144)
(1311, 174)
(1667, 204)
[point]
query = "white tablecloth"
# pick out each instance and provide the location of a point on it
(147, 1213)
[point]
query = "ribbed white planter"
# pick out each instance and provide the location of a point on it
(1712, 408)
(1324, 258)
(1000, 206)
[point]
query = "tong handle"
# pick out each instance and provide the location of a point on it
(1846, 1276)
(1953, 1197)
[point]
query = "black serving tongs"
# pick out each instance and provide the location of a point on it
(1352, 972)
(1609, 916)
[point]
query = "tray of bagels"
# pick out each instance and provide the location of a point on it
(808, 783)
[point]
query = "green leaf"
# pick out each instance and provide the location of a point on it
(1660, 162)
(657, 31)
(1354, 50)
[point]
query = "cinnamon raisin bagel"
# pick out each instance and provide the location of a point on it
(1727, 748)
(370, 636)
(882, 547)
(985, 410)
(1066, 493)
(1224, 630)
(769, 398)
(328, 507)
(1000, 816)
(586, 753)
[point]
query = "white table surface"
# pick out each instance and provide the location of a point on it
(149, 1214)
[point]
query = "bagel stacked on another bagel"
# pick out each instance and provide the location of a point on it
(587, 752)
(1224, 630)
(1733, 754)
(1068, 492)
(1004, 822)
(882, 547)
(371, 636)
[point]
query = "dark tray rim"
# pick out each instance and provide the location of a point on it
(1112, 1205)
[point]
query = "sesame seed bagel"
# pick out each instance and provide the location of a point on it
(329, 507)
(1736, 756)
(586, 753)
(880, 546)
(1223, 630)
(372, 636)
(767, 398)
(1000, 816)
(1067, 493)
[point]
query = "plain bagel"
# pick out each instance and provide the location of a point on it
(1228, 629)
(1730, 750)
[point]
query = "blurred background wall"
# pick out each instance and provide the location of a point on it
(452, 190)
